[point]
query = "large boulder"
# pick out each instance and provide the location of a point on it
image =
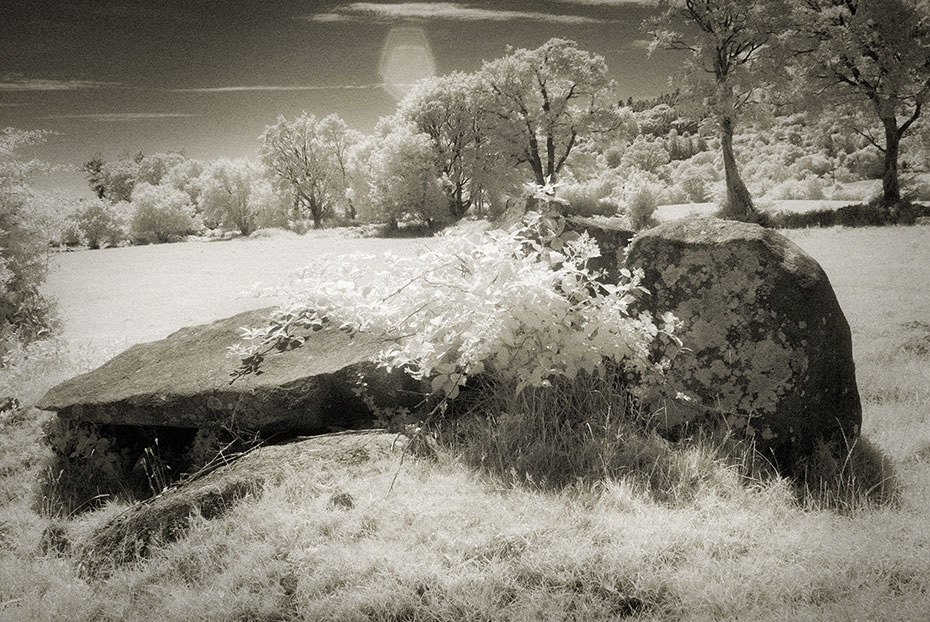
(767, 350)
(612, 237)
(183, 381)
(130, 535)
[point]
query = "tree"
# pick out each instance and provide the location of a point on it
(874, 52)
(93, 168)
(731, 46)
(404, 181)
(338, 139)
(118, 178)
(544, 101)
(302, 162)
(270, 208)
(153, 168)
(185, 176)
(447, 109)
(226, 187)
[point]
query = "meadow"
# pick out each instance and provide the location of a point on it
(448, 542)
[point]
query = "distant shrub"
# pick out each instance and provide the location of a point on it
(816, 165)
(841, 192)
(588, 200)
(866, 163)
(101, 222)
(645, 155)
(809, 188)
(226, 188)
(918, 189)
(160, 213)
(692, 178)
(641, 205)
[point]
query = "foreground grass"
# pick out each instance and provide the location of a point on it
(449, 543)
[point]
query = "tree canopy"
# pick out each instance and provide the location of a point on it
(542, 102)
(303, 161)
(871, 52)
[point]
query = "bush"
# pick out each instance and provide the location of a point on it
(23, 243)
(588, 200)
(809, 188)
(642, 205)
(517, 305)
(101, 222)
(160, 213)
(866, 163)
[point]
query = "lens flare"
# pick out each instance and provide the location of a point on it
(405, 58)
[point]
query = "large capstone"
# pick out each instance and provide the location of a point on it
(183, 381)
(767, 350)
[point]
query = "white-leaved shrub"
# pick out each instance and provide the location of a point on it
(160, 213)
(519, 305)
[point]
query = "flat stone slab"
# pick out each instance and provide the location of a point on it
(184, 381)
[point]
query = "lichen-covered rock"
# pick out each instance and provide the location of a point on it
(131, 535)
(767, 348)
(183, 381)
(612, 237)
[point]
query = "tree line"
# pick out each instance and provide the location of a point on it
(784, 99)
(468, 142)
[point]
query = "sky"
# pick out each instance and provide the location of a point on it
(206, 77)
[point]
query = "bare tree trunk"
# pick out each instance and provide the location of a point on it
(891, 189)
(739, 204)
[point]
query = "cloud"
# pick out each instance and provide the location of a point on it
(374, 11)
(246, 89)
(42, 84)
(107, 117)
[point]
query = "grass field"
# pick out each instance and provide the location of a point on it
(450, 544)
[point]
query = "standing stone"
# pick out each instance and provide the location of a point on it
(767, 349)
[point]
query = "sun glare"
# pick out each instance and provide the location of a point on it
(405, 58)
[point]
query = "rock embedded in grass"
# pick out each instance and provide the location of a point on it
(183, 381)
(768, 350)
(131, 535)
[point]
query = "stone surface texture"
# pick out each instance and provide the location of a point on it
(131, 535)
(767, 348)
(184, 381)
(612, 238)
